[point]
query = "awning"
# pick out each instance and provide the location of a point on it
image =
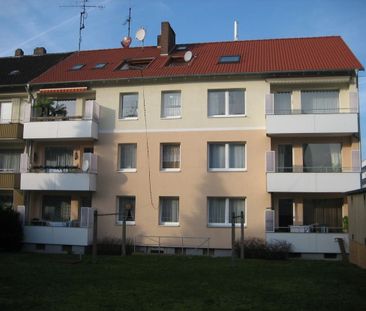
(64, 90)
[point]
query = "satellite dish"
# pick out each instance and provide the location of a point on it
(140, 34)
(188, 56)
(85, 166)
(126, 42)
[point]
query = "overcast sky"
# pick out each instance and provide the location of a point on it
(29, 23)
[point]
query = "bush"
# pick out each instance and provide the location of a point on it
(258, 248)
(112, 246)
(11, 230)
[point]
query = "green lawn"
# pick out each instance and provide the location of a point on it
(60, 282)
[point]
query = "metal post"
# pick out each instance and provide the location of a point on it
(95, 237)
(124, 236)
(182, 246)
(232, 235)
(241, 235)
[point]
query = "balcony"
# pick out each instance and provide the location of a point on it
(84, 127)
(311, 121)
(11, 131)
(9, 180)
(60, 178)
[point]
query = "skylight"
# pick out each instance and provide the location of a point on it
(176, 61)
(100, 65)
(229, 59)
(77, 66)
(135, 64)
(181, 48)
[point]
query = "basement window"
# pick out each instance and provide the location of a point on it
(135, 64)
(77, 67)
(100, 65)
(229, 59)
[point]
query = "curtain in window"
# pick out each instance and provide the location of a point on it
(171, 156)
(59, 157)
(236, 155)
(128, 156)
(56, 208)
(217, 155)
(129, 104)
(5, 112)
(9, 160)
(216, 210)
(320, 101)
(171, 104)
(216, 103)
(169, 210)
(126, 208)
(282, 103)
(236, 102)
(322, 157)
(236, 206)
(335, 157)
(326, 212)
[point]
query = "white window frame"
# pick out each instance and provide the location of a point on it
(162, 105)
(178, 169)
(227, 216)
(126, 170)
(129, 222)
(168, 223)
(227, 157)
(120, 117)
(227, 115)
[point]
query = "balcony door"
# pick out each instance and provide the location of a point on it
(282, 103)
(284, 158)
(285, 213)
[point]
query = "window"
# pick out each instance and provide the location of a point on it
(127, 161)
(5, 112)
(128, 106)
(100, 65)
(226, 156)
(135, 64)
(9, 160)
(169, 211)
(170, 157)
(176, 61)
(282, 103)
(77, 66)
(322, 158)
(221, 209)
(65, 106)
(6, 199)
(320, 101)
(126, 209)
(229, 59)
(56, 208)
(59, 157)
(226, 102)
(171, 104)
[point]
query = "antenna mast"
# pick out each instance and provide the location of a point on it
(83, 15)
(126, 41)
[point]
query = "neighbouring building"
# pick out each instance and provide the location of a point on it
(357, 227)
(15, 74)
(176, 137)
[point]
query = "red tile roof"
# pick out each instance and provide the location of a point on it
(257, 56)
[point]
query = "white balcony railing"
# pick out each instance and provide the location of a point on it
(63, 127)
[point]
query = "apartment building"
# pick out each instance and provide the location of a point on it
(16, 72)
(185, 134)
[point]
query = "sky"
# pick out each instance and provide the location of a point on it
(54, 24)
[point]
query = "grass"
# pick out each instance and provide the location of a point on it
(60, 282)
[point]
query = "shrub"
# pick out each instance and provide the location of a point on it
(112, 246)
(11, 230)
(258, 248)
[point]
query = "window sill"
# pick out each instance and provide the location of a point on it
(170, 170)
(228, 170)
(228, 116)
(171, 118)
(128, 223)
(224, 225)
(169, 224)
(127, 170)
(128, 119)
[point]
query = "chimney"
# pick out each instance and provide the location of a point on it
(39, 51)
(18, 52)
(167, 39)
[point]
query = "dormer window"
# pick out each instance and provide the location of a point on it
(229, 59)
(77, 67)
(100, 65)
(135, 64)
(176, 61)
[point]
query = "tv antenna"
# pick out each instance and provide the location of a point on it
(83, 14)
(126, 41)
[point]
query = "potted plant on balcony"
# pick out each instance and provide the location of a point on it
(45, 107)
